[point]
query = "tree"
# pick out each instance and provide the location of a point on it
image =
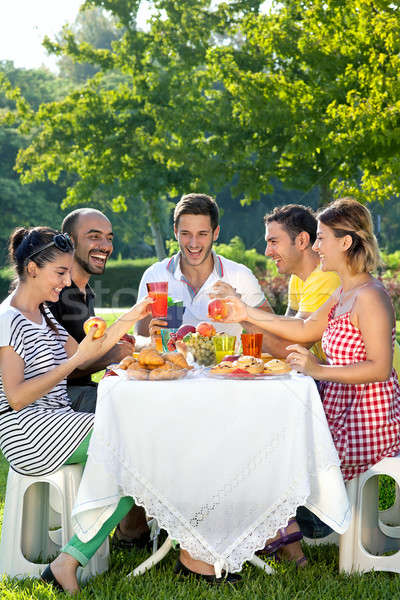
(314, 90)
(127, 139)
(91, 27)
(24, 205)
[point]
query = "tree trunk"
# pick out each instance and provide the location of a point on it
(325, 194)
(158, 240)
(154, 220)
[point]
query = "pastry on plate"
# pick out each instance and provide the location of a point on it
(177, 359)
(223, 367)
(162, 374)
(134, 372)
(150, 357)
(125, 362)
(277, 366)
(250, 364)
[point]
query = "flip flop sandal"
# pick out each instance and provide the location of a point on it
(48, 577)
(284, 539)
(182, 571)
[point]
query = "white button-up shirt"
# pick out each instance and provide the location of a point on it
(196, 302)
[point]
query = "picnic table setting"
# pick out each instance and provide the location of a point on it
(219, 443)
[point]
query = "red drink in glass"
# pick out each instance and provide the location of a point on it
(252, 344)
(159, 291)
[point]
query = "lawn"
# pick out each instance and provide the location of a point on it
(319, 581)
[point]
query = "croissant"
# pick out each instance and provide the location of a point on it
(125, 362)
(150, 357)
(161, 373)
(137, 373)
(176, 359)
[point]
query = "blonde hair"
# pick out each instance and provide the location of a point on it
(346, 216)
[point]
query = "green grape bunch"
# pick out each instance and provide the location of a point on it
(202, 348)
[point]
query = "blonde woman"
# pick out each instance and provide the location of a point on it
(360, 390)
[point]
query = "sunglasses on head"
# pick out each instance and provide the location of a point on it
(61, 241)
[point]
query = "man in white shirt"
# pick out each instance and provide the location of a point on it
(196, 269)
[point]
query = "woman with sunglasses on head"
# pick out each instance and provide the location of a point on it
(359, 387)
(39, 431)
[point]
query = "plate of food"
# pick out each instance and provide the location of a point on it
(151, 365)
(249, 367)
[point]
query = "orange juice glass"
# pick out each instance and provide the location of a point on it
(159, 291)
(252, 344)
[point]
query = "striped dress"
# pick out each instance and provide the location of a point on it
(39, 438)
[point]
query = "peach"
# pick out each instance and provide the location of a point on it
(96, 322)
(205, 329)
(218, 310)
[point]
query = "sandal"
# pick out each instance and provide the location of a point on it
(285, 538)
(299, 562)
(143, 541)
(232, 578)
(48, 577)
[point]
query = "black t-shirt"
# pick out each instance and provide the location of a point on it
(72, 310)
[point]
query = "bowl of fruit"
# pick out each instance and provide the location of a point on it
(200, 344)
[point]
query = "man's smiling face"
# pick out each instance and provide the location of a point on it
(93, 242)
(196, 237)
(281, 248)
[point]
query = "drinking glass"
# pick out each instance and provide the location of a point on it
(224, 344)
(252, 344)
(165, 335)
(159, 291)
(175, 316)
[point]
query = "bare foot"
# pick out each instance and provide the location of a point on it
(197, 566)
(64, 570)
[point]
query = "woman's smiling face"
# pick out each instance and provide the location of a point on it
(54, 276)
(331, 249)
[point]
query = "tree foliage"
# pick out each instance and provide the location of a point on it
(314, 86)
(214, 93)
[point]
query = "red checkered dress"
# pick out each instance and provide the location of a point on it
(364, 419)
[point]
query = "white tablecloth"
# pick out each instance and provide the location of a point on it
(220, 464)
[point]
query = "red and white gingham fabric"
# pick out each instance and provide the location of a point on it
(364, 419)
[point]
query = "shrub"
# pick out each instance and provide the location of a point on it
(275, 289)
(392, 284)
(235, 250)
(118, 286)
(6, 276)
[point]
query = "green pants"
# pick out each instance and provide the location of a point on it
(83, 552)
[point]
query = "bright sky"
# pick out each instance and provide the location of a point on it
(24, 23)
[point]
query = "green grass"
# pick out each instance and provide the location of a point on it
(319, 581)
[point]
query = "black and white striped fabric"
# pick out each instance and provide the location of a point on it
(38, 439)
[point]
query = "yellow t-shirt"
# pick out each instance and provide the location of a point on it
(308, 295)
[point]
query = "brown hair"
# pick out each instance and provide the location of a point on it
(197, 204)
(25, 245)
(348, 217)
(295, 218)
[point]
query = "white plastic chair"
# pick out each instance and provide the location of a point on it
(372, 532)
(37, 522)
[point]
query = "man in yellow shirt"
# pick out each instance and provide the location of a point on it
(290, 233)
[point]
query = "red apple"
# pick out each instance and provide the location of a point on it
(171, 345)
(184, 330)
(231, 357)
(127, 337)
(98, 323)
(218, 309)
(206, 329)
